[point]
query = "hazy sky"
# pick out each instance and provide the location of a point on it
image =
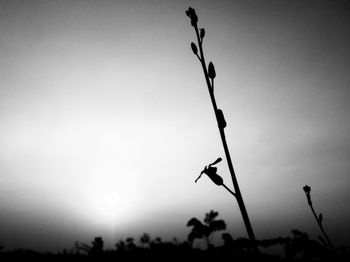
(106, 121)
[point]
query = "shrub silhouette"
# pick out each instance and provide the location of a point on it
(120, 245)
(206, 229)
(95, 249)
(97, 246)
(145, 240)
(130, 243)
(300, 244)
(236, 246)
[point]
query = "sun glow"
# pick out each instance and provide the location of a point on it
(110, 205)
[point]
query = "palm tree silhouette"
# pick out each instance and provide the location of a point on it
(205, 230)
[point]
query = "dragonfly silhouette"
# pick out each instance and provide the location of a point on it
(210, 171)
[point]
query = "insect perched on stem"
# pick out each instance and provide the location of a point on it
(210, 171)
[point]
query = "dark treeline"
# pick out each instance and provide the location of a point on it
(297, 247)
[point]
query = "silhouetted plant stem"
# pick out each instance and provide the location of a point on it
(322, 229)
(237, 194)
(229, 190)
(319, 218)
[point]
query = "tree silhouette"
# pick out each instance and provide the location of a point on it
(97, 246)
(95, 249)
(120, 245)
(130, 243)
(145, 240)
(206, 229)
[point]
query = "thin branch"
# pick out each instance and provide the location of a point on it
(321, 227)
(229, 190)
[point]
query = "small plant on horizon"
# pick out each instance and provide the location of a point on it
(157, 240)
(326, 240)
(205, 230)
(95, 249)
(120, 245)
(145, 240)
(130, 245)
(298, 244)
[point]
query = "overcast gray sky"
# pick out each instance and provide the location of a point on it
(106, 121)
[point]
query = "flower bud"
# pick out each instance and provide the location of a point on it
(320, 217)
(307, 189)
(211, 71)
(202, 33)
(194, 48)
(191, 13)
(216, 179)
(221, 119)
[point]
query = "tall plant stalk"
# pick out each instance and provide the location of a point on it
(209, 75)
(319, 218)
